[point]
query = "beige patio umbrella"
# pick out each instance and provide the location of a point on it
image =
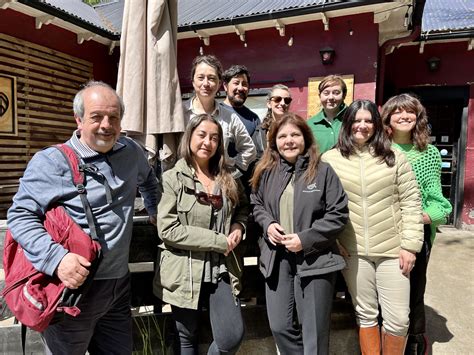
(148, 77)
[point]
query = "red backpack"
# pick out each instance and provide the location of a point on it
(33, 297)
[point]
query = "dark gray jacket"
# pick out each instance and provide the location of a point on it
(320, 213)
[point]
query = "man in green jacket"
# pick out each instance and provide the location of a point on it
(326, 124)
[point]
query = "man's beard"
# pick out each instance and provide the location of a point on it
(237, 102)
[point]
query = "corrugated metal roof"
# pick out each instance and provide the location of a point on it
(206, 11)
(438, 15)
(79, 10)
(203, 11)
(448, 15)
(111, 14)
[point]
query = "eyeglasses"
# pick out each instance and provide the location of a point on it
(216, 201)
(277, 99)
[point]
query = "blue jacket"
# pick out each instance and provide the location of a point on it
(47, 181)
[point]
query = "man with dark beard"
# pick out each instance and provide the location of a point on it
(236, 84)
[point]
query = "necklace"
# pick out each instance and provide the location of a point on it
(205, 180)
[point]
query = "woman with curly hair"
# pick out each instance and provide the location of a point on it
(406, 121)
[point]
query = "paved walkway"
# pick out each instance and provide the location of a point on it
(449, 301)
(449, 295)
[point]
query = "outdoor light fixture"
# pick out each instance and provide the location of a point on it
(351, 31)
(327, 55)
(201, 50)
(290, 41)
(433, 63)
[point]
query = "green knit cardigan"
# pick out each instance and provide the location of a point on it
(426, 165)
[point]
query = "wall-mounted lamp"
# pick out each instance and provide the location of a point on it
(433, 63)
(290, 41)
(327, 55)
(201, 50)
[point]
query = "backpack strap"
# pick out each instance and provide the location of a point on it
(78, 179)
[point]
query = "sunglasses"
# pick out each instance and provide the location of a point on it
(277, 99)
(216, 201)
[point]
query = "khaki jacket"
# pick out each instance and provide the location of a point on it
(183, 225)
(385, 211)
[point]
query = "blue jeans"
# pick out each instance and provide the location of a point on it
(104, 325)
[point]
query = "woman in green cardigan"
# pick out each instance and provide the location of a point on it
(407, 123)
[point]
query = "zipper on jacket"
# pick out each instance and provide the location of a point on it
(364, 203)
(190, 274)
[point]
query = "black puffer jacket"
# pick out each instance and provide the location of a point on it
(320, 213)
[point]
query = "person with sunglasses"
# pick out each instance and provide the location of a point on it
(278, 103)
(327, 123)
(301, 206)
(201, 220)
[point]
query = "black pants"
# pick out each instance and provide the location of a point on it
(226, 321)
(418, 286)
(104, 325)
(311, 296)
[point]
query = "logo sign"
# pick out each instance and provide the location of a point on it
(8, 115)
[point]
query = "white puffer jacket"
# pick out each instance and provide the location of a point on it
(384, 204)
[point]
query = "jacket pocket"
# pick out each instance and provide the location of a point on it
(185, 207)
(266, 259)
(172, 269)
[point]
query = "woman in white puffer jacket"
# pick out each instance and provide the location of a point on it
(385, 230)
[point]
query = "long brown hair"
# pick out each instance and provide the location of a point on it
(217, 163)
(271, 156)
(379, 144)
(420, 134)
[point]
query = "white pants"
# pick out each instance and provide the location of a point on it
(377, 280)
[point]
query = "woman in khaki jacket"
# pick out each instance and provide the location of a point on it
(201, 219)
(385, 230)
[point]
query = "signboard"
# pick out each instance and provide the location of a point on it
(8, 115)
(314, 104)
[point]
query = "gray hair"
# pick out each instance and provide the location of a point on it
(277, 87)
(78, 102)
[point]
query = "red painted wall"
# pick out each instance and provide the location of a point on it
(406, 67)
(21, 26)
(271, 61)
(468, 207)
